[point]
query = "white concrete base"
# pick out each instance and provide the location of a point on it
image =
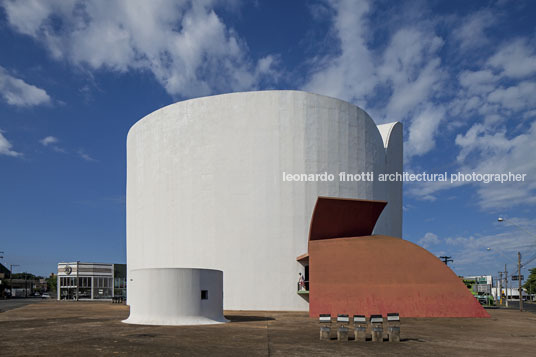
(172, 296)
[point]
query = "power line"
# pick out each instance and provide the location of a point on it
(529, 260)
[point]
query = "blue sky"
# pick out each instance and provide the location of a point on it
(74, 76)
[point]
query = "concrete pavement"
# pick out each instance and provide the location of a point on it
(10, 304)
(66, 328)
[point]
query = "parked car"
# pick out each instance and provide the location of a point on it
(45, 296)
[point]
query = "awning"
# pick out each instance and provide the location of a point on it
(342, 217)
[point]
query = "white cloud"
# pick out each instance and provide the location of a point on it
(48, 140)
(497, 92)
(409, 68)
(501, 87)
(27, 15)
(412, 68)
(471, 32)
(351, 74)
(52, 141)
(478, 82)
(186, 46)
(17, 92)
(5, 147)
(517, 97)
(487, 150)
(515, 60)
(428, 240)
(529, 114)
(84, 155)
(499, 154)
(478, 140)
(422, 130)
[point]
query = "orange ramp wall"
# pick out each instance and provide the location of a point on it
(380, 274)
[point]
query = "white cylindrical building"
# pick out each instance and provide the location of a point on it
(175, 296)
(207, 186)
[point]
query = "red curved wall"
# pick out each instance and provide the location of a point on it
(380, 274)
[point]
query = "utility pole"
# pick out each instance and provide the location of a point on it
(11, 278)
(506, 283)
(446, 259)
(499, 287)
(519, 280)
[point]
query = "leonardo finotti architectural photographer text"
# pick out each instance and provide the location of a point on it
(406, 177)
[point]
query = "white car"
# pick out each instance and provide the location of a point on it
(45, 296)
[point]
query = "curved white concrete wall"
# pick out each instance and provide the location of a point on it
(205, 188)
(172, 296)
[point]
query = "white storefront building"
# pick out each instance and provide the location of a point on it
(89, 281)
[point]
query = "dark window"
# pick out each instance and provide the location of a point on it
(204, 294)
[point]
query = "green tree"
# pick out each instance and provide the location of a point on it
(25, 275)
(52, 281)
(530, 284)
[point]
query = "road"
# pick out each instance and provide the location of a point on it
(528, 307)
(11, 304)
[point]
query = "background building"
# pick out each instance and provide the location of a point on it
(92, 280)
(206, 187)
(4, 276)
(513, 293)
(19, 285)
(481, 288)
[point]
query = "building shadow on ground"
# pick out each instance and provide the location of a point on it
(241, 318)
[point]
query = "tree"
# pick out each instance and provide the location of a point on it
(52, 281)
(530, 284)
(25, 275)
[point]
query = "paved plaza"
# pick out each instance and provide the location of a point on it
(65, 328)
